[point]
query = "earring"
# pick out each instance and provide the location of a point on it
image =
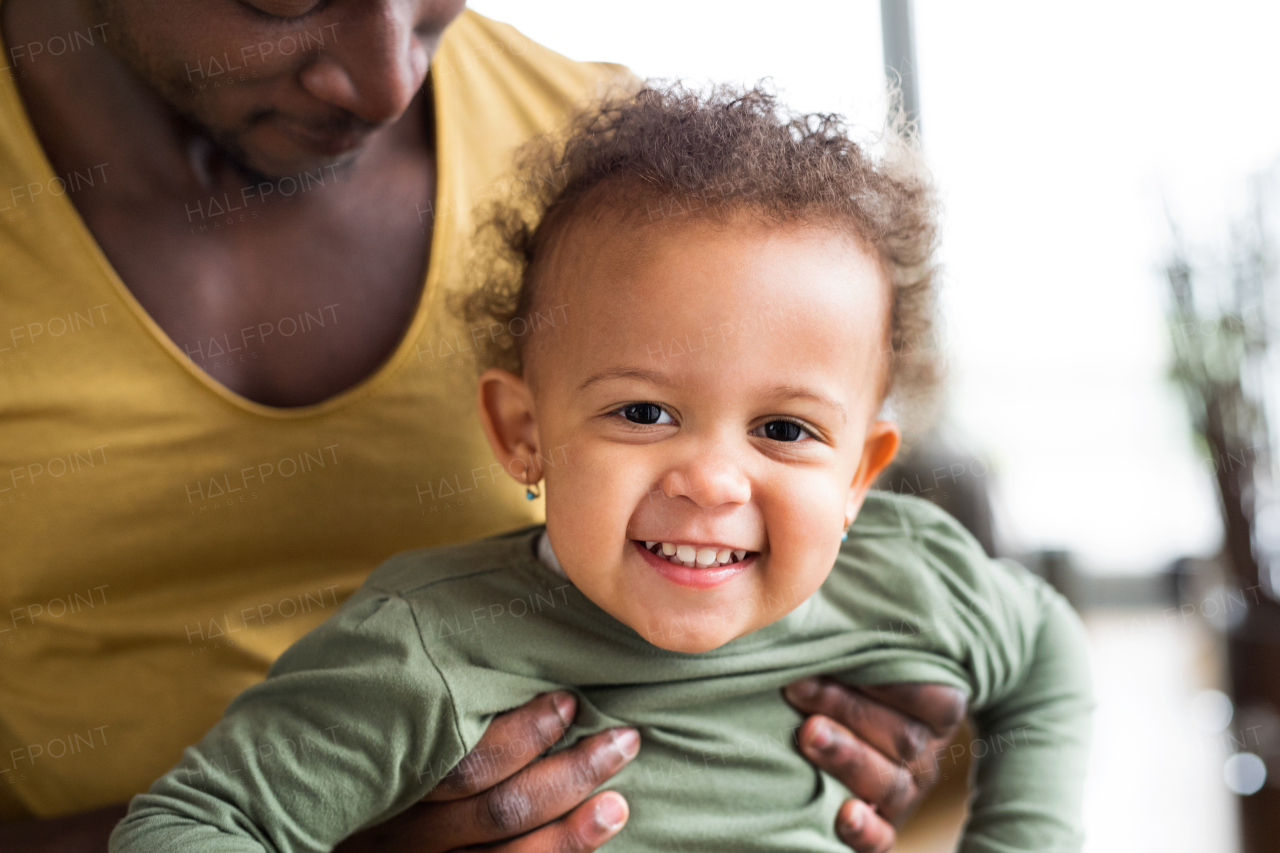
(844, 537)
(532, 491)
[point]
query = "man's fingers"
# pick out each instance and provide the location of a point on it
(534, 796)
(511, 741)
(581, 831)
(862, 769)
(901, 738)
(861, 828)
(940, 707)
(881, 743)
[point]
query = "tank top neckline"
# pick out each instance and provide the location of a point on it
(76, 226)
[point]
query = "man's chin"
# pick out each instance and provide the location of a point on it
(263, 150)
(331, 142)
(275, 166)
(271, 159)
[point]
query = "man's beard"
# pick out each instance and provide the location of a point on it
(175, 94)
(228, 146)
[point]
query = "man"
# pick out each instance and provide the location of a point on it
(231, 386)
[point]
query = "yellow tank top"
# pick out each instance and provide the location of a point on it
(163, 540)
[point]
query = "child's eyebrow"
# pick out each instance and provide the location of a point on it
(624, 373)
(782, 392)
(794, 392)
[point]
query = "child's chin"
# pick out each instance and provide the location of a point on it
(696, 645)
(676, 635)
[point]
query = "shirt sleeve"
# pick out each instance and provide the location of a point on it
(1034, 745)
(1020, 649)
(1027, 657)
(352, 726)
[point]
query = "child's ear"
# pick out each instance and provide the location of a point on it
(883, 440)
(508, 417)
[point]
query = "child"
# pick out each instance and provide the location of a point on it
(709, 304)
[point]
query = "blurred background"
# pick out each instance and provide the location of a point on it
(1109, 179)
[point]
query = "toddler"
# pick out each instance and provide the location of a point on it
(709, 302)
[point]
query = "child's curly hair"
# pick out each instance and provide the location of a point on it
(669, 151)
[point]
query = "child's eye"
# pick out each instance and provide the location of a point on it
(645, 413)
(782, 431)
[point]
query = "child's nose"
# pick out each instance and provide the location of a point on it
(709, 480)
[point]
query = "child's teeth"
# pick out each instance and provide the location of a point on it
(693, 557)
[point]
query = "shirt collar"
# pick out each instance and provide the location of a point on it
(547, 556)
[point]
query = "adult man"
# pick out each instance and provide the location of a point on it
(231, 387)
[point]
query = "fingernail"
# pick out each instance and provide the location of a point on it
(857, 816)
(802, 691)
(627, 741)
(565, 706)
(611, 812)
(821, 734)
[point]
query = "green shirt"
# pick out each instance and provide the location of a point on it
(363, 716)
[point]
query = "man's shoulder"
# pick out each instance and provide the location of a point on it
(494, 58)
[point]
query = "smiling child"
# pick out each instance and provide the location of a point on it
(737, 292)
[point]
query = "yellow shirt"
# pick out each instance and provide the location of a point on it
(163, 539)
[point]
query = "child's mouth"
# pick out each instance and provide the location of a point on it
(695, 557)
(710, 571)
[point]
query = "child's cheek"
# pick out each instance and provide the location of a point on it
(805, 564)
(790, 591)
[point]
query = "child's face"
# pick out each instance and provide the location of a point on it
(710, 386)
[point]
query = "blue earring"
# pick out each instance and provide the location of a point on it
(844, 537)
(532, 492)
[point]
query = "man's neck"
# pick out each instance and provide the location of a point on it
(161, 218)
(87, 106)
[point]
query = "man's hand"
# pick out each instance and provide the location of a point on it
(882, 743)
(494, 795)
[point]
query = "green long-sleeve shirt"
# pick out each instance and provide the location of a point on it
(360, 718)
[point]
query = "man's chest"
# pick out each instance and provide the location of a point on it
(289, 292)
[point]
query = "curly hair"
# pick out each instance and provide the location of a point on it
(669, 151)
